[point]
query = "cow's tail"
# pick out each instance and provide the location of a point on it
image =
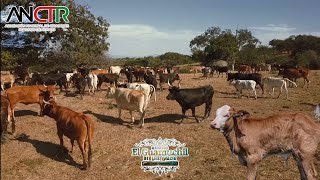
(90, 129)
(290, 81)
(153, 91)
(146, 100)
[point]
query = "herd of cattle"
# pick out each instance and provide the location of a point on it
(133, 96)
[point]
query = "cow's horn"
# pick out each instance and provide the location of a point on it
(45, 85)
(179, 84)
(45, 101)
(169, 84)
(55, 83)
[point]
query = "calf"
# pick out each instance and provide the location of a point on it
(191, 98)
(29, 95)
(273, 82)
(252, 139)
(129, 99)
(75, 126)
(254, 76)
(245, 84)
(7, 78)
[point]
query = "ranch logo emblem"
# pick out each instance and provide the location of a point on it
(160, 155)
(26, 19)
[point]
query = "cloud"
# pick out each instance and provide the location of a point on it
(269, 32)
(144, 40)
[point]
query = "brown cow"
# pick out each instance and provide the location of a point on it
(5, 116)
(100, 71)
(294, 74)
(252, 139)
(243, 68)
(29, 95)
(7, 78)
(75, 126)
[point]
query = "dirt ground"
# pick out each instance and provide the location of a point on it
(34, 154)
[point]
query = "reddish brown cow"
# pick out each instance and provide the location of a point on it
(100, 71)
(29, 95)
(294, 74)
(245, 69)
(5, 116)
(138, 73)
(75, 126)
(7, 78)
(252, 139)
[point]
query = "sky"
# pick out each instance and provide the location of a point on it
(152, 27)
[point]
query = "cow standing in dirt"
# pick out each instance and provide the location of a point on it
(76, 126)
(252, 139)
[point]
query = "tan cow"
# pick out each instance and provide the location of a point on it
(252, 139)
(75, 126)
(129, 99)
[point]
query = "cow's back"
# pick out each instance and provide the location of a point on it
(24, 94)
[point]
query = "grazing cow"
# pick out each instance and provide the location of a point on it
(239, 76)
(76, 126)
(222, 70)
(108, 78)
(148, 89)
(273, 82)
(7, 78)
(115, 70)
(252, 139)
(164, 78)
(80, 83)
(5, 116)
(294, 74)
(29, 95)
(59, 79)
(191, 98)
(245, 84)
(317, 112)
(92, 82)
(150, 79)
(131, 100)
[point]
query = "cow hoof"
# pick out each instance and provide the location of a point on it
(84, 167)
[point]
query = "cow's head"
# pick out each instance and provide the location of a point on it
(49, 108)
(111, 91)
(48, 92)
(224, 115)
(173, 91)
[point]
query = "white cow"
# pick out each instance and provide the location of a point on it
(147, 88)
(245, 84)
(115, 69)
(68, 76)
(273, 82)
(131, 100)
(92, 82)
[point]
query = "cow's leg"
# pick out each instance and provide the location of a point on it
(252, 166)
(60, 135)
(72, 143)
(119, 111)
(303, 175)
(161, 87)
(255, 93)
(81, 143)
(207, 110)
(13, 123)
(193, 109)
(183, 114)
(280, 92)
(141, 124)
(132, 118)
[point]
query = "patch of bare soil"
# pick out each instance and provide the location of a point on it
(34, 154)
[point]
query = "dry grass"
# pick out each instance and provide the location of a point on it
(33, 156)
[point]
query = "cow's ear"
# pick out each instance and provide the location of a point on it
(241, 114)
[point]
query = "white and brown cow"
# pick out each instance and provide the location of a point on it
(252, 139)
(131, 100)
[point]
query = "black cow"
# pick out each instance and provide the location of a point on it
(222, 70)
(164, 78)
(206, 72)
(50, 79)
(80, 83)
(150, 79)
(128, 71)
(240, 76)
(191, 98)
(108, 78)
